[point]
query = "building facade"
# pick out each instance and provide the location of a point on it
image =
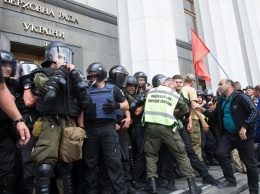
(142, 35)
(155, 36)
(27, 27)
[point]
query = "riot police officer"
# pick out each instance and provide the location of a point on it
(26, 101)
(138, 134)
(118, 75)
(7, 131)
(59, 106)
(142, 82)
(208, 142)
(209, 98)
(99, 123)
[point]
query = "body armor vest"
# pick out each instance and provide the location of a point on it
(99, 97)
(65, 102)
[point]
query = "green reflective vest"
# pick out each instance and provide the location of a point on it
(159, 106)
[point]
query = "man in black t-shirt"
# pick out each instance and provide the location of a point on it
(8, 114)
(9, 107)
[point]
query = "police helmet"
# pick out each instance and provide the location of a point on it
(7, 57)
(208, 92)
(99, 68)
(25, 68)
(118, 75)
(140, 74)
(57, 51)
(200, 93)
(158, 80)
(131, 80)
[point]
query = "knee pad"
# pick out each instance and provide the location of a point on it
(43, 171)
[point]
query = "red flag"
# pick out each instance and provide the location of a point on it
(199, 51)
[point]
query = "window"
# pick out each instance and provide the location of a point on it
(190, 16)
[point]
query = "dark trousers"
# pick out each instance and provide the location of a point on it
(124, 144)
(194, 159)
(140, 161)
(103, 177)
(228, 142)
(208, 143)
(196, 163)
(106, 138)
(168, 164)
(27, 164)
(78, 177)
(7, 162)
(156, 135)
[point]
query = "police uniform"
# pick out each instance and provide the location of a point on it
(56, 115)
(139, 137)
(59, 106)
(158, 116)
(161, 127)
(7, 146)
(7, 131)
(30, 115)
(196, 163)
(101, 133)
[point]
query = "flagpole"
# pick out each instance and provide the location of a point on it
(218, 64)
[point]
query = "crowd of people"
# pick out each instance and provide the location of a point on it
(112, 132)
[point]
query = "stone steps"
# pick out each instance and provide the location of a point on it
(208, 189)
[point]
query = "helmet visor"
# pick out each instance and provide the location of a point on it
(25, 69)
(121, 79)
(59, 54)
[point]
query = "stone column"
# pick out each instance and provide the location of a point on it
(249, 21)
(146, 37)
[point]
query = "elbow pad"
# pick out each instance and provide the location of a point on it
(78, 80)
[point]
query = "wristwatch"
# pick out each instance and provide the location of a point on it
(27, 86)
(17, 121)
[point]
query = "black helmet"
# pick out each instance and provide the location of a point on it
(140, 74)
(99, 68)
(131, 80)
(7, 57)
(118, 75)
(208, 92)
(158, 80)
(57, 51)
(25, 68)
(200, 93)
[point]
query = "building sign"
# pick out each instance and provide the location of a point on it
(43, 30)
(46, 11)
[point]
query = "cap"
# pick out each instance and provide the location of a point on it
(189, 77)
(250, 87)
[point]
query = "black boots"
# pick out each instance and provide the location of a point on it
(193, 188)
(171, 185)
(67, 184)
(42, 189)
(152, 185)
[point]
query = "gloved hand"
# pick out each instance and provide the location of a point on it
(110, 106)
(27, 82)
